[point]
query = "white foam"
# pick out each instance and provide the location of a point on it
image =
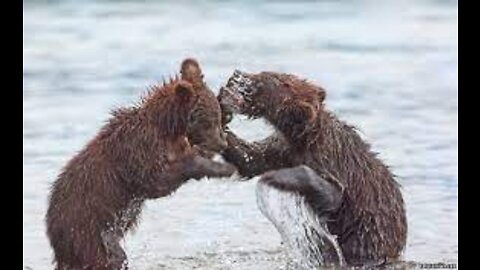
(299, 226)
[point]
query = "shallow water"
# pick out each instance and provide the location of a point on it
(389, 67)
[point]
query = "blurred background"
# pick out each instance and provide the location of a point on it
(389, 67)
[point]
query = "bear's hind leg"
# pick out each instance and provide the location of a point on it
(322, 190)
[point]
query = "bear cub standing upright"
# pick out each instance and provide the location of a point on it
(144, 152)
(317, 156)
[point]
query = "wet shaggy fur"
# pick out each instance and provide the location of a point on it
(370, 222)
(143, 152)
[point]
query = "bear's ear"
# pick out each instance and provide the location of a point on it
(190, 70)
(184, 92)
(294, 117)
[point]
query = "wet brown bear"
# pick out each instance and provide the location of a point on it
(144, 152)
(323, 159)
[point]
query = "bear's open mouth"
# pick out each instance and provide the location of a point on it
(231, 101)
(236, 95)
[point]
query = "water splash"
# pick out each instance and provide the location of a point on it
(310, 243)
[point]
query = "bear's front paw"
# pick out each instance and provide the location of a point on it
(230, 169)
(227, 170)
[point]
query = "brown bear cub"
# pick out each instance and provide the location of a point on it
(320, 158)
(144, 152)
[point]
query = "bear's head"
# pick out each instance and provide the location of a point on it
(285, 100)
(204, 124)
(185, 106)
